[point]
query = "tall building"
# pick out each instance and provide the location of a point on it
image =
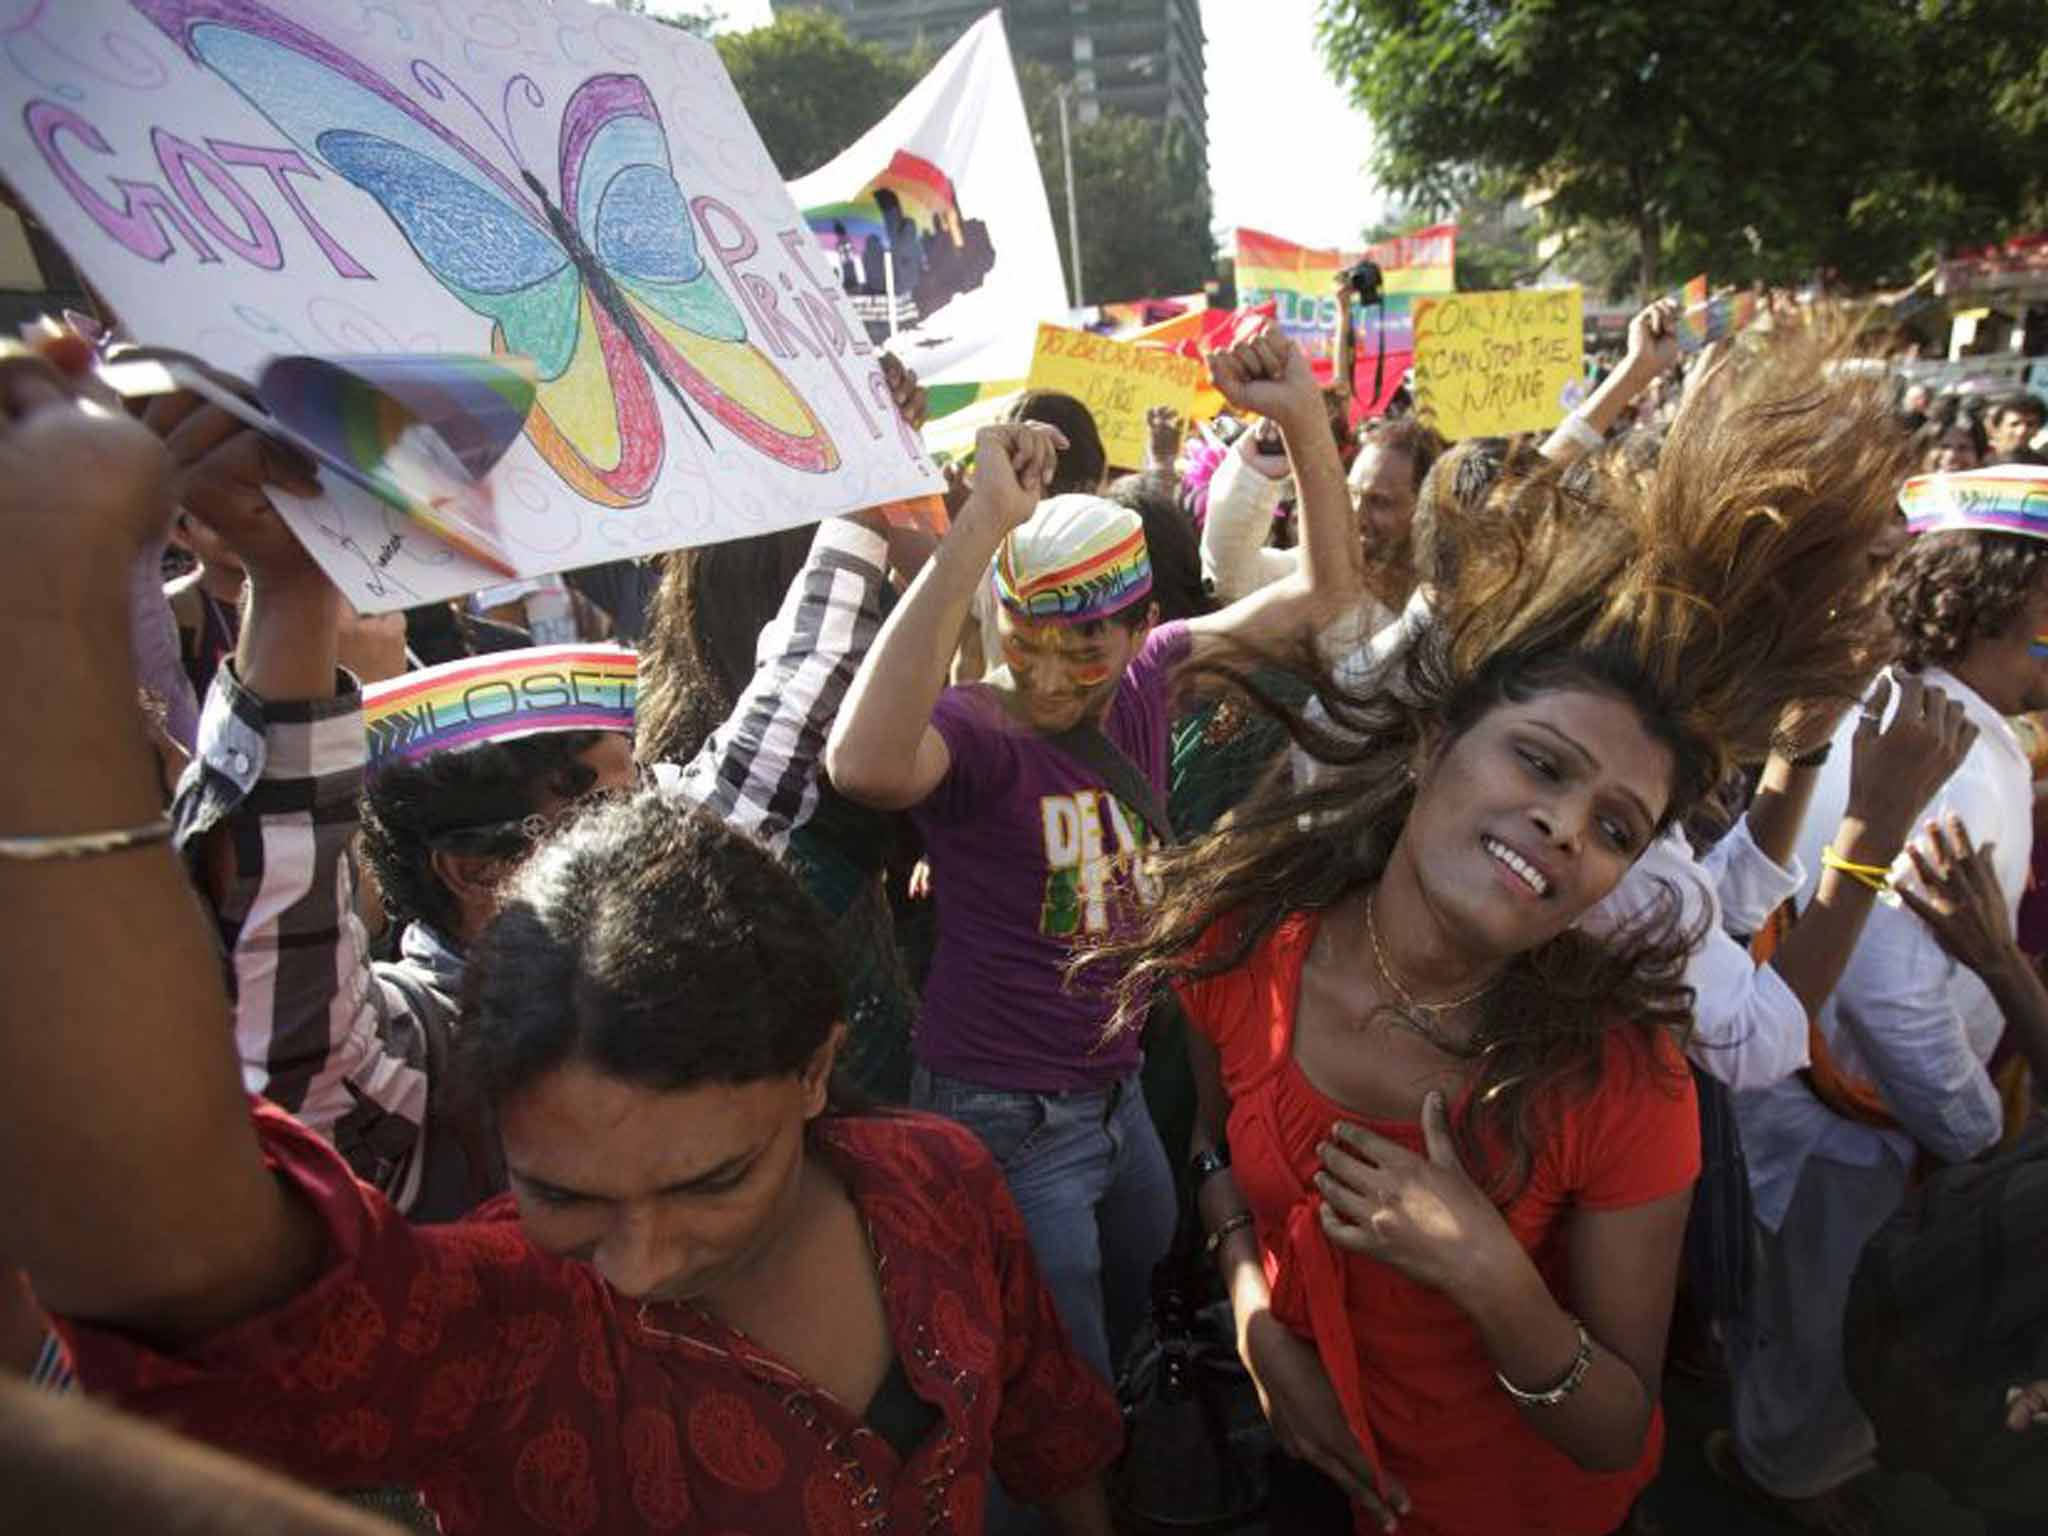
(1143, 57)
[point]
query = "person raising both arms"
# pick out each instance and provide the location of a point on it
(356, 1049)
(1038, 795)
(710, 1305)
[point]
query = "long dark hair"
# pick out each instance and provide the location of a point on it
(1730, 584)
(705, 620)
(656, 943)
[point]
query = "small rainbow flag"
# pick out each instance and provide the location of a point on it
(2006, 498)
(500, 697)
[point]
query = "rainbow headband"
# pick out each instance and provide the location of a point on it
(2006, 498)
(1105, 574)
(499, 697)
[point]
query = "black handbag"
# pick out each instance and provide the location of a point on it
(1197, 1448)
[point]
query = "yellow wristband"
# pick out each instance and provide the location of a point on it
(1872, 877)
(1832, 860)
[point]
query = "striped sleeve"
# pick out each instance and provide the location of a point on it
(759, 769)
(266, 816)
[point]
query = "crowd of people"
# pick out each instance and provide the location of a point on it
(1499, 914)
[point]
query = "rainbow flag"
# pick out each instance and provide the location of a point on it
(1704, 317)
(500, 697)
(922, 191)
(1300, 281)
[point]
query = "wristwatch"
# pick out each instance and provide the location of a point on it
(1206, 1164)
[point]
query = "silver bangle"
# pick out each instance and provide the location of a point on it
(85, 845)
(1582, 1362)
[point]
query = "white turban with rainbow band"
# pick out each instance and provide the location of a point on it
(1079, 559)
(500, 697)
(2005, 498)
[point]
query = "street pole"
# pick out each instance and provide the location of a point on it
(1073, 213)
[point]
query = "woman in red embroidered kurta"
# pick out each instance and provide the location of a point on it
(521, 1393)
(720, 1307)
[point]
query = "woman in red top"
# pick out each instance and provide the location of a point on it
(1462, 1136)
(709, 1304)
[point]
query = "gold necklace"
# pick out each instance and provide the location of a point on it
(1417, 1015)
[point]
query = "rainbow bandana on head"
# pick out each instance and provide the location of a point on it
(500, 697)
(2006, 498)
(1079, 559)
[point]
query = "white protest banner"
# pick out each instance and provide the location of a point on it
(936, 220)
(244, 181)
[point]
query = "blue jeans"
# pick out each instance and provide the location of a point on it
(1091, 1181)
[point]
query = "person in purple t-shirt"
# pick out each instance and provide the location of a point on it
(1032, 850)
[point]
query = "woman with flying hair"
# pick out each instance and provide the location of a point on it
(1461, 1139)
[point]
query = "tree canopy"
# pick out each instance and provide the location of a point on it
(1142, 190)
(812, 90)
(1749, 138)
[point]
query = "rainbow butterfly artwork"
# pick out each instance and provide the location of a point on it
(604, 287)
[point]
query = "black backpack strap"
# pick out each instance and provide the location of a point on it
(1088, 746)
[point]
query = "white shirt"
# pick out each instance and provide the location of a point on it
(1236, 561)
(1904, 1015)
(1749, 1027)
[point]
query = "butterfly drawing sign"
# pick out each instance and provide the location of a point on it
(575, 189)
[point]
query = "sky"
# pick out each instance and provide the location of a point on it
(1286, 149)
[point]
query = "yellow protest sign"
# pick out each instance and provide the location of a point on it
(1118, 383)
(1491, 364)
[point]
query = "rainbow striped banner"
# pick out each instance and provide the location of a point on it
(500, 697)
(2006, 498)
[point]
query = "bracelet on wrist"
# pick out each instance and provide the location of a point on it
(1206, 1164)
(1876, 877)
(84, 845)
(1237, 1223)
(1575, 1374)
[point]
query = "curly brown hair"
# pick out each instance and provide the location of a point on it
(1731, 584)
(1946, 591)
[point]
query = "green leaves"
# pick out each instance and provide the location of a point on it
(1850, 136)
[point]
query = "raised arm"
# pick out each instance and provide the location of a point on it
(1652, 352)
(883, 751)
(1897, 769)
(1236, 560)
(266, 821)
(759, 769)
(162, 1218)
(1269, 376)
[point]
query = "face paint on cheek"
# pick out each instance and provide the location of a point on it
(1048, 656)
(2038, 647)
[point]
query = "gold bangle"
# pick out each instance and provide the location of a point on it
(84, 845)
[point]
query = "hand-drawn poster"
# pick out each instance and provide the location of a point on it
(936, 225)
(1494, 364)
(250, 179)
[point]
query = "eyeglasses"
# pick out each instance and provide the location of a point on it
(506, 839)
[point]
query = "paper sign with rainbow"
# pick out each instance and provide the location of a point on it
(903, 240)
(2005, 498)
